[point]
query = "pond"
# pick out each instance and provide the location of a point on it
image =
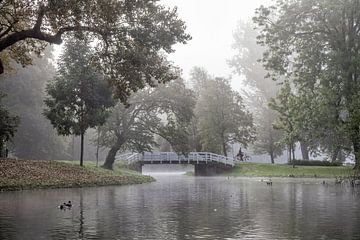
(181, 207)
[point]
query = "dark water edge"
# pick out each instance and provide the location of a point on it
(178, 207)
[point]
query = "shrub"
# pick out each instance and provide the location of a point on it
(315, 163)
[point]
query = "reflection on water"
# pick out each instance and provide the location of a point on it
(177, 207)
(167, 169)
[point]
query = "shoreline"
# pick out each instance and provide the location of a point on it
(18, 175)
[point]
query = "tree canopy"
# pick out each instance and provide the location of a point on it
(163, 111)
(131, 37)
(78, 97)
(314, 44)
(221, 116)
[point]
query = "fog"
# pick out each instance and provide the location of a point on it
(211, 25)
(167, 169)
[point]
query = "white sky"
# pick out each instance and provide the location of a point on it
(211, 24)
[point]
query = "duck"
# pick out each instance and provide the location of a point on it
(68, 204)
(269, 182)
(62, 206)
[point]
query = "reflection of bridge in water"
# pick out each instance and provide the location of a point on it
(205, 163)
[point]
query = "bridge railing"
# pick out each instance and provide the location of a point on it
(173, 157)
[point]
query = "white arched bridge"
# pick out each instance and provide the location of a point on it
(205, 163)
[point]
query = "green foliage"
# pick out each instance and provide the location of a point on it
(315, 163)
(221, 116)
(315, 45)
(268, 138)
(131, 37)
(78, 97)
(285, 104)
(8, 125)
(164, 111)
(35, 137)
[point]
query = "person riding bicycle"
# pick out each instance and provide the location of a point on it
(240, 155)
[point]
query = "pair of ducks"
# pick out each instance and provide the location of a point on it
(65, 205)
(268, 182)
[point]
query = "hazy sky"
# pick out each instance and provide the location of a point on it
(211, 24)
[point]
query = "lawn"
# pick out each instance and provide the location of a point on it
(32, 174)
(284, 170)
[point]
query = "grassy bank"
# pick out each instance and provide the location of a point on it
(29, 174)
(283, 170)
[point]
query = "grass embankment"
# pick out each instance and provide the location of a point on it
(284, 170)
(31, 174)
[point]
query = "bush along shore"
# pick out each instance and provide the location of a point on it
(284, 170)
(35, 174)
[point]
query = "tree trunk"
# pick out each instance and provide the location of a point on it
(272, 157)
(97, 147)
(224, 149)
(304, 150)
(335, 154)
(271, 152)
(289, 152)
(82, 149)
(356, 145)
(293, 151)
(110, 158)
(1, 149)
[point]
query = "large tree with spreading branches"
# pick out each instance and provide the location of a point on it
(131, 37)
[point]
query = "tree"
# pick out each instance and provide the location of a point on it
(198, 78)
(131, 37)
(8, 125)
(246, 63)
(222, 117)
(315, 43)
(78, 97)
(268, 138)
(25, 87)
(285, 104)
(164, 111)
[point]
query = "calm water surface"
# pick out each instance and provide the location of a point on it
(178, 207)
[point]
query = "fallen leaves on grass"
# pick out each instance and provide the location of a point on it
(27, 174)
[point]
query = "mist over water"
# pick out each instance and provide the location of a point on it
(167, 169)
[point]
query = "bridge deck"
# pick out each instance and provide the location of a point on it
(171, 157)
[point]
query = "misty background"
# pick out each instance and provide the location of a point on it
(213, 26)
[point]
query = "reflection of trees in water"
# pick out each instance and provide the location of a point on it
(185, 209)
(202, 209)
(306, 211)
(81, 217)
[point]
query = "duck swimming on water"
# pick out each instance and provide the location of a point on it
(65, 205)
(68, 204)
(62, 206)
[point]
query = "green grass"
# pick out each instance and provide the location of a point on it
(118, 169)
(284, 170)
(29, 174)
